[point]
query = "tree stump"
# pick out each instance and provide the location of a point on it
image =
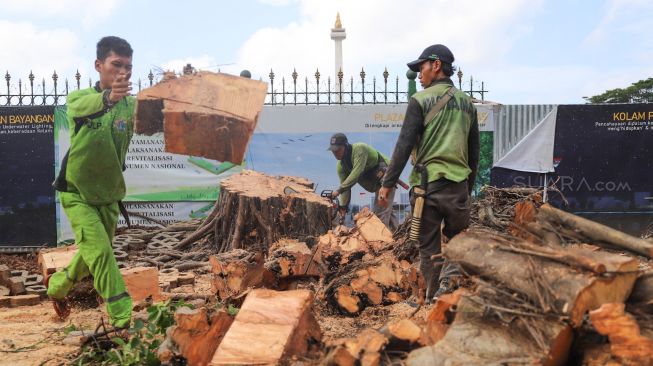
(257, 209)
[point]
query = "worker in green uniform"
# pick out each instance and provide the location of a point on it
(362, 164)
(91, 182)
(443, 138)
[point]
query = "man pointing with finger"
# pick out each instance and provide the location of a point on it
(91, 184)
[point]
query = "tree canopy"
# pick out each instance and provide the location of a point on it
(639, 92)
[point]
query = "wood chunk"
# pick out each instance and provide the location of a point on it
(273, 325)
(203, 114)
(291, 258)
(627, 344)
(55, 259)
(371, 228)
(368, 283)
(340, 356)
(195, 337)
(474, 339)
(403, 335)
(253, 209)
(365, 349)
(576, 292)
(24, 300)
(141, 283)
(238, 270)
(441, 315)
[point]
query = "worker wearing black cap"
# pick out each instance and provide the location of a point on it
(440, 131)
(362, 164)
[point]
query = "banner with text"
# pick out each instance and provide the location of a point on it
(27, 202)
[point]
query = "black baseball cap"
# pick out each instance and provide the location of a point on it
(432, 53)
(337, 140)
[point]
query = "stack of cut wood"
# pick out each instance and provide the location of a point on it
(533, 286)
(356, 266)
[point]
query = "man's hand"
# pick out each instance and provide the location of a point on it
(335, 194)
(384, 192)
(120, 88)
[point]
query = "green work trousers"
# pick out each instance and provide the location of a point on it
(94, 227)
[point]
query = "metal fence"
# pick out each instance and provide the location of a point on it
(308, 89)
(515, 122)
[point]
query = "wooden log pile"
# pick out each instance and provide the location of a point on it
(534, 283)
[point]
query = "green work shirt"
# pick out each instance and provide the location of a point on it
(97, 150)
(363, 169)
(443, 146)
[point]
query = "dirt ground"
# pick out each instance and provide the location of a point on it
(33, 335)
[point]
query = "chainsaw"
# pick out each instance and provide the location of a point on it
(327, 193)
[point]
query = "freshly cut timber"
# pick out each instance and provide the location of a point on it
(627, 344)
(404, 335)
(442, 315)
(205, 114)
(238, 270)
(477, 339)
(383, 280)
(193, 337)
(270, 326)
(557, 287)
(142, 282)
(290, 258)
(364, 349)
(369, 236)
(52, 260)
(255, 208)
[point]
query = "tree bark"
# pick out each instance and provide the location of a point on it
(556, 287)
(595, 231)
(475, 339)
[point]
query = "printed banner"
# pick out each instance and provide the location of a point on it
(27, 204)
(155, 175)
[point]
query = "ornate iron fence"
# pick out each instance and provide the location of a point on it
(313, 89)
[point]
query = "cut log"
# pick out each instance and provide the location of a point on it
(238, 270)
(474, 339)
(254, 209)
(203, 114)
(291, 259)
(194, 337)
(595, 231)
(403, 335)
(442, 315)
(643, 289)
(55, 259)
(142, 282)
(371, 228)
(627, 344)
(271, 326)
(553, 285)
(365, 349)
(383, 280)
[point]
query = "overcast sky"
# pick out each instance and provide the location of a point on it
(533, 51)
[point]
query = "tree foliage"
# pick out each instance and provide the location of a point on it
(639, 92)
